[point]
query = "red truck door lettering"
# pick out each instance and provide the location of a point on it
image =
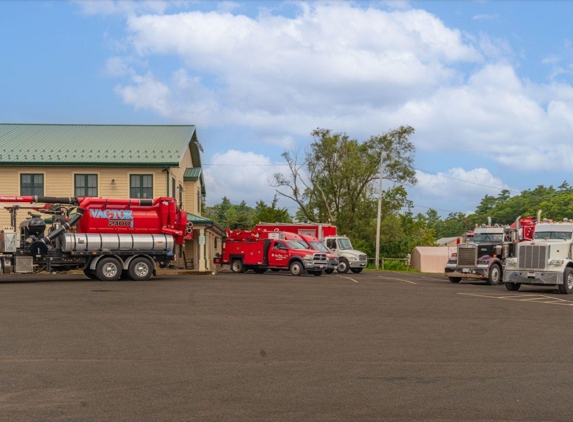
(278, 255)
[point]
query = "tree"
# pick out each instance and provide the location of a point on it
(334, 182)
(271, 214)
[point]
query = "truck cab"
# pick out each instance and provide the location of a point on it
(545, 260)
(349, 259)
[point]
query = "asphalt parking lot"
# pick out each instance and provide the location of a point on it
(377, 346)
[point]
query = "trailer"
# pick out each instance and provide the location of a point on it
(107, 238)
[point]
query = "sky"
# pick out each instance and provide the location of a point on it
(487, 85)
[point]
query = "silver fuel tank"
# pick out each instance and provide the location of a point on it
(94, 242)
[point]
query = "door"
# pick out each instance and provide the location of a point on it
(278, 254)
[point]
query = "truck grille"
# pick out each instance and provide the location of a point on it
(467, 256)
(362, 257)
(532, 256)
(320, 257)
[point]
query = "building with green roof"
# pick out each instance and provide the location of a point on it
(113, 161)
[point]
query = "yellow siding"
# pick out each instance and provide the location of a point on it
(59, 181)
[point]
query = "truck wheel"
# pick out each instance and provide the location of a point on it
(356, 270)
(90, 273)
(108, 269)
(330, 271)
(260, 270)
(237, 266)
(455, 279)
(494, 275)
(140, 269)
(512, 287)
(343, 266)
(567, 287)
(295, 268)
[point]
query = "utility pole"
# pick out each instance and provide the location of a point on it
(379, 212)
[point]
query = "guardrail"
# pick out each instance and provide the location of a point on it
(382, 260)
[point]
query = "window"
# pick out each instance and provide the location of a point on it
(85, 185)
(173, 188)
(141, 186)
(32, 184)
(331, 243)
(180, 195)
(198, 202)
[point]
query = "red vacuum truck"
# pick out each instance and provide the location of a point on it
(107, 238)
(252, 250)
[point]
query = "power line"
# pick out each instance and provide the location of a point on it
(467, 181)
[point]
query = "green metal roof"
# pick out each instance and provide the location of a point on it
(198, 220)
(192, 174)
(133, 145)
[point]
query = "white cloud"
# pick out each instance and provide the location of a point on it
(354, 69)
(240, 176)
(485, 17)
(465, 187)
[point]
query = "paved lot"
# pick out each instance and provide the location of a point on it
(246, 347)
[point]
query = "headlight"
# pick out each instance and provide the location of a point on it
(556, 262)
(352, 258)
(511, 261)
(308, 257)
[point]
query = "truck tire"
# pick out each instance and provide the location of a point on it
(108, 269)
(567, 287)
(90, 273)
(343, 266)
(140, 269)
(329, 271)
(356, 270)
(296, 268)
(494, 275)
(237, 266)
(512, 287)
(455, 279)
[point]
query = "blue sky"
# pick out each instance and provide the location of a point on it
(486, 84)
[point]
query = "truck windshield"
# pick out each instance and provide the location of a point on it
(552, 235)
(344, 244)
(488, 237)
(295, 244)
(317, 246)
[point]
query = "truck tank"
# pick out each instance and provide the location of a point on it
(79, 242)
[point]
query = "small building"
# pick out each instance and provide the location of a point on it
(448, 241)
(112, 161)
(430, 259)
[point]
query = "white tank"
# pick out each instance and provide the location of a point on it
(94, 242)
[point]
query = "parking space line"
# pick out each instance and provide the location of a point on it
(398, 279)
(348, 278)
(529, 299)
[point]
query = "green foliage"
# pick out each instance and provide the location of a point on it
(242, 216)
(271, 214)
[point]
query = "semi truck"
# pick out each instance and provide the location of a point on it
(349, 259)
(544, 260)
(247, 250)
(485, 255)
(107, 238)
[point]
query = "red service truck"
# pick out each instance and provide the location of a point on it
(349, 259)
(107, 238)
(251, 250)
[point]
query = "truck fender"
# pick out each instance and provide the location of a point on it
(150, 259)
(296, 258)
(94, 262)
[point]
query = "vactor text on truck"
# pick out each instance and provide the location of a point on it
(107, 238)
